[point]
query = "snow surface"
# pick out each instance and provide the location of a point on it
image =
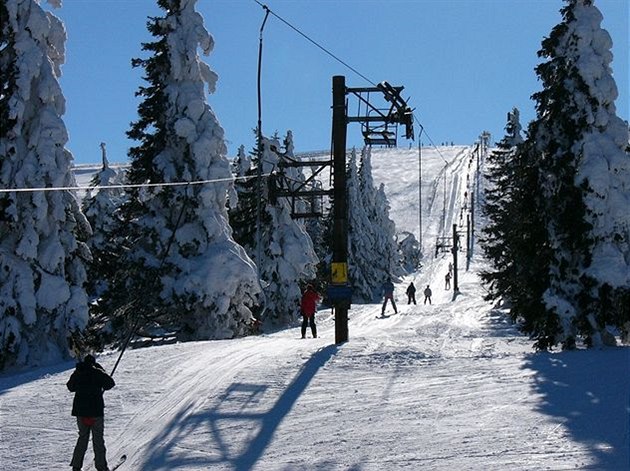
(448, 386)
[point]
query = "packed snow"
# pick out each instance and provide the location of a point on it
(446, 386)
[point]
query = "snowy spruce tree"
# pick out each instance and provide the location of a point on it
(504, 181)
(386, 244)
(515, 239)
(181, 270)
(284, 253)
(373, 253)
(100, 207)
(363, 272)
(584, 177)
(42, 274)
(8, 72)
(319, 230)
(409, 250)
(386, 260)
(242, 164)
(243, 210)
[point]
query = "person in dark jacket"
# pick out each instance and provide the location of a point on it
(427, 294)
(388, 294)
(87, 382)
(411, 293)
(308, 307)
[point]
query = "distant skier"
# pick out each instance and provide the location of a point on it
(88, 381)
(411, 293)
(427, 294)
(308, 306)
(447, 280)
(388, 294)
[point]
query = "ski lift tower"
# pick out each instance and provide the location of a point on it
(379, 126)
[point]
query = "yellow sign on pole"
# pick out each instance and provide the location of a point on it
(339, 272)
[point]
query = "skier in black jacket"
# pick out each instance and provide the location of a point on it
(411, 293)
(88, 381)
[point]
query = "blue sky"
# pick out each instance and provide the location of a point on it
(464, 64)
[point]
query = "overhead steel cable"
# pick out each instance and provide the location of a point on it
(315, 43)
(126, 185)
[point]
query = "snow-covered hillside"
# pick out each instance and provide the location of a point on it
(447, 177)
(446, 386)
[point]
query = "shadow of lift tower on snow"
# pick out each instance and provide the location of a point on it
(237, 405)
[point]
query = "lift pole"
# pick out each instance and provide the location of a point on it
(339, 268)
(259, 146)
(455, 249)
(420, 191)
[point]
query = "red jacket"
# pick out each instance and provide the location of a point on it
(309, 303)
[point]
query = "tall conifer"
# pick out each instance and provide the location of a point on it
(182, 269)
(42, 254)
(284, 251)
(584, 174)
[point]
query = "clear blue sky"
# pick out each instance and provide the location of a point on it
(464, 63)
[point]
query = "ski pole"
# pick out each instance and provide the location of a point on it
(131, 332)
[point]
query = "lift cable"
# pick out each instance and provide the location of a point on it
(315, 43)
(127, 185)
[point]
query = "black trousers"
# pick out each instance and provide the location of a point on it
(97, 442)
(306, 320)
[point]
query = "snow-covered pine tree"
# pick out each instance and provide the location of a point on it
(243, 211)
(181, 267)
(530, 251)
(242, 164)
(319, 230)
(385, 241)
(584, 175)
(409, 250)
(515, 238)
(501, 174)
(100, 207)
(8, 73)
(287, 258)
(363, 274)
(385, 258)
(42, 273)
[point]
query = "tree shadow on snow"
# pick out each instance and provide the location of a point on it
(588, 393)
(13, 379)
(251, 428)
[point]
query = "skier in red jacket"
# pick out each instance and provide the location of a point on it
(308, 306)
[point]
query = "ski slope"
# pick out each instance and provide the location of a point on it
(447, 181)
(447, 386)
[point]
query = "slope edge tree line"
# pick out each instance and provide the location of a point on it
(558, 201)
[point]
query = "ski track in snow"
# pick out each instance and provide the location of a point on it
(447, 386)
